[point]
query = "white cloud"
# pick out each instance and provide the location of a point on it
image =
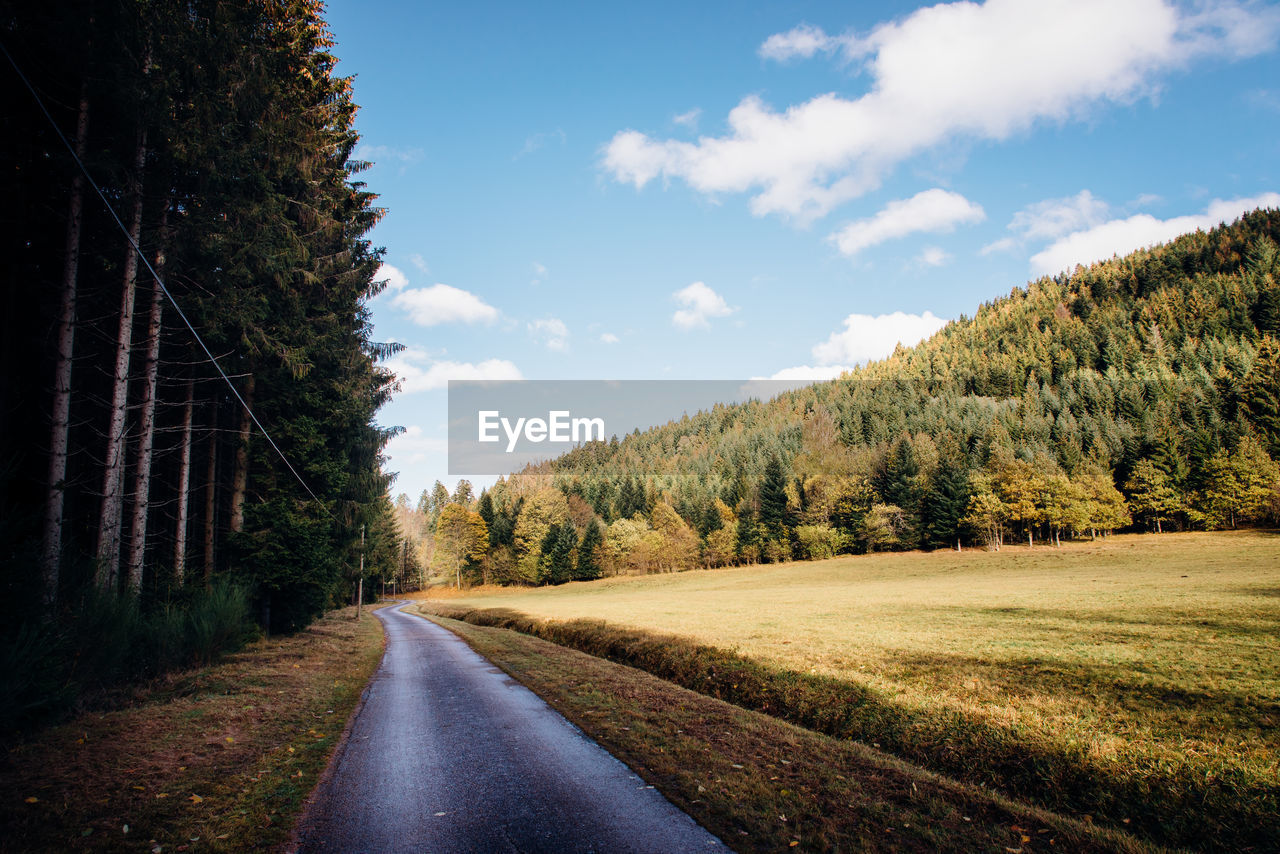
(551, 333)
(395, 278)
(865, 337)
(444, 304)
(700, 303)
(933, 256)
(932, 211)
(419, 262)
(803, 41)
(417, 371)
(609, 338)
(1004, 244)
(689, 119)
(968, 70)
(1055, 217)
(539, 274)
(413, 447)
(1122, 236)
(809, 373)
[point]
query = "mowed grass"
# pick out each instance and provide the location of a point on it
(1141, 672)
(218, 759)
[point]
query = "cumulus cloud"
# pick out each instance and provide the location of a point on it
(609, 338)
(418, 371)
(809, 373)
(931, 211)
(1053, 218)
(395, 278)
(1122, 236)
(551, 333)
(444, 304)
(958, 70)
(933, 256)
(419, 262)
(865, 337)
(413, 446)
(700, 303)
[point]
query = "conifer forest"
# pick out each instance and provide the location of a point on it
(186, 267)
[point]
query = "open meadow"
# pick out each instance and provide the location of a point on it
(1136, 679)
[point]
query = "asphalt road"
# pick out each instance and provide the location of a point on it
(449, 754)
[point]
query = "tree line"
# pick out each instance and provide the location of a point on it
(1140, 393)
(130, 465)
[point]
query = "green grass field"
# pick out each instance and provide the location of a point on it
(1151, 662)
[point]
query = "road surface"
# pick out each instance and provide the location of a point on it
(449, 754)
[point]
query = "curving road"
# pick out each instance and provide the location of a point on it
(449, 754)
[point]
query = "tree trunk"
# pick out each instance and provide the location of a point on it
(51, 557)
(146, 439)
(1159, 530)
(114, 462)
(184, 490)
(211, 494)
(240, 476)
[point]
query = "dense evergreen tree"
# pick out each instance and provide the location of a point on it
(945, 505)
(556, 564)
(588, 566)
(243, 200)
(773, 500)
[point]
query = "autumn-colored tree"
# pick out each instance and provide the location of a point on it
(461, 538)
(1106, 509)
(1021, 489)
(884, 526)
(986, 513)
(1152, 495)
(1237, 486)
(679, 542)
(720, 548)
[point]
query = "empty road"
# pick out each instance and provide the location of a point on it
(449, 754)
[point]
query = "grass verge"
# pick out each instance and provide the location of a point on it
(219, 759)
(764, 785)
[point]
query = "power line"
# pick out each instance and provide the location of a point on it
(159, 282)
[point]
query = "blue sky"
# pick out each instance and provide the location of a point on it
(734, 190)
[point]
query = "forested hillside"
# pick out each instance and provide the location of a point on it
(1140, 393)
(130, 469)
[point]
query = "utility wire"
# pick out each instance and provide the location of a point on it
(159, 282)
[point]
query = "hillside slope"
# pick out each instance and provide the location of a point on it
(1140, 391)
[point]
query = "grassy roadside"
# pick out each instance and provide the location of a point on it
(219, 759)
(765, 785)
